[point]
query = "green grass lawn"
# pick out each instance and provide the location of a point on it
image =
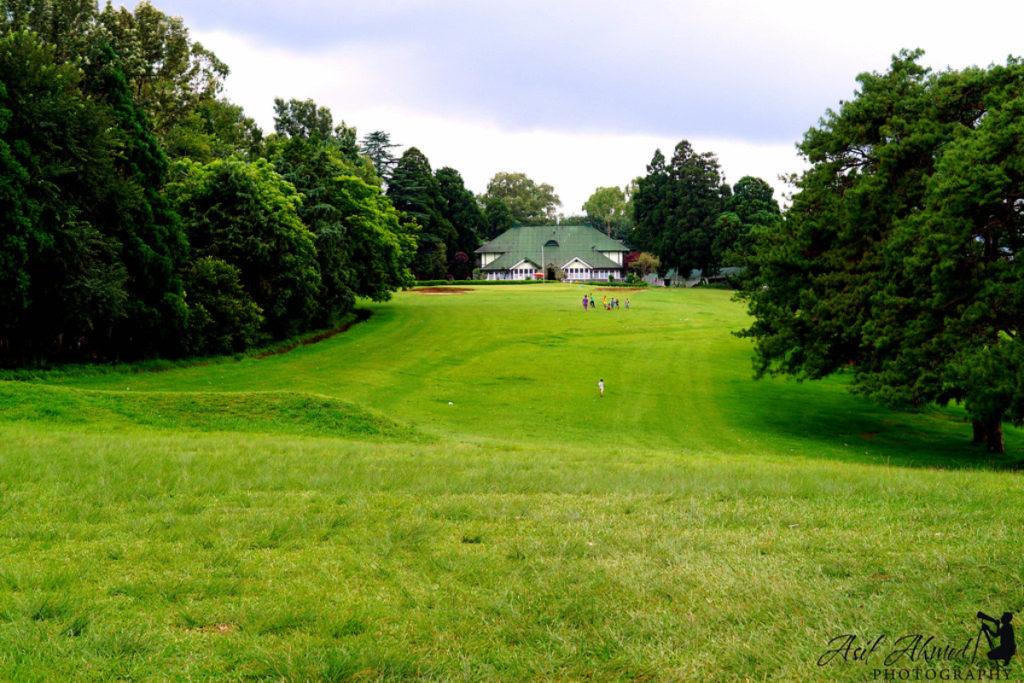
(440, 492)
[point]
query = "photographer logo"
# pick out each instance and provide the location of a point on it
(983, 655)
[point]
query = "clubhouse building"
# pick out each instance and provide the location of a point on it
(572, 252)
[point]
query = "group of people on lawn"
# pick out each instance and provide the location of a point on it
(609, 304)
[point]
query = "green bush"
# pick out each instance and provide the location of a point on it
(246, 214)
(616, 283)
(475, 283)
(223, 318)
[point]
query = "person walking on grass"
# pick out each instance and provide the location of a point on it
(600, 387)
(584, 302)
(593, 307)
(627, 304)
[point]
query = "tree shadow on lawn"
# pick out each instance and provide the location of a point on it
(823, 419)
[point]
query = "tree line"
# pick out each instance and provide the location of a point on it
(142, 214)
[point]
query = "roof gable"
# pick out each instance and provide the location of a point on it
(532, 242)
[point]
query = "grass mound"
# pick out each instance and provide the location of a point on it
(280, 412)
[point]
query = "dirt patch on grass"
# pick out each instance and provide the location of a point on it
(216, 628)
(442, 290)
(868, 436)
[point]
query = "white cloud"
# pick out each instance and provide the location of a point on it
(358, 88)
(579, 93)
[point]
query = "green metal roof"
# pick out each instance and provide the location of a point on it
(506, 261)
(560, 244)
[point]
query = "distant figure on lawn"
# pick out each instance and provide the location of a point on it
(584, 302)
(627, 304)
(600, 387)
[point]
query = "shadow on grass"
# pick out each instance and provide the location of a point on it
(56, 373)
(824, 419)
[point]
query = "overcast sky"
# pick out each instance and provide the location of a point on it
(580, 94)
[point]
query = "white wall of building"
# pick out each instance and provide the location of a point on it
(575, 270)
(514, 274)
(571, 274)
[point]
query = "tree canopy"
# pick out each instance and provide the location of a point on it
(101, 258)
(898, 259)
(676, 209)
(377, 147)
(467, 218)
(526, 201)
(360, 243)
(750, 208)
(417, 194)
(246, 215)
(607, 207)
(91, 251)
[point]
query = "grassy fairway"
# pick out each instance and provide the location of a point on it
(439, 492)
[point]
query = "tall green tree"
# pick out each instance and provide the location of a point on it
(154, 245)
(529, 202)
(461, 209)
(377, 146)
(93, 250)
(170, 75)
(607, 207)
(174, 79)
(307, 122)
(676, 209)
(897, 261)
(246, 215)
(51, 245)
(214, 129)
(497, 214)
(417, 194)
(750, 208)
(70, 27)
(362, 248)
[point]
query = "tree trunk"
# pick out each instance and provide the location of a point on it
(979, 431)
(994, 436)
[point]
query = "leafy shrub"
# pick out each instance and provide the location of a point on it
(436, 283)
(616, 283)
(246, 214)
(223, 318)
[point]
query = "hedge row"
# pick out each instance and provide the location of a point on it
(605, 283)
(484, 283)
(476, 283)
